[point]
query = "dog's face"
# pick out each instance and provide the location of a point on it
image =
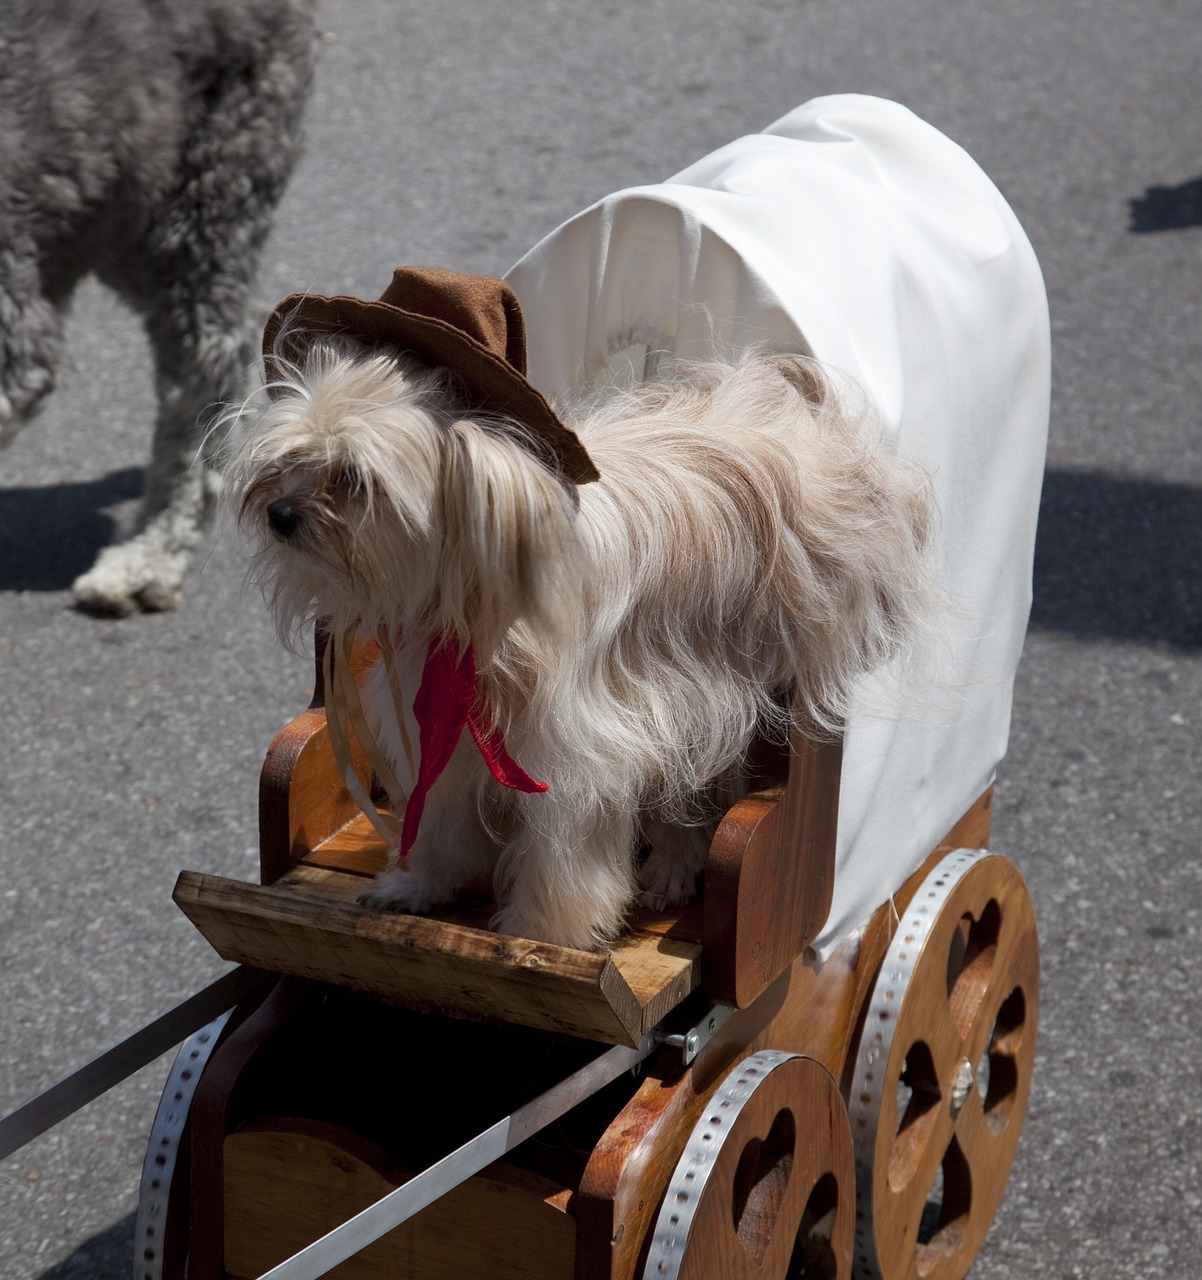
(336, 480)
(371, 495)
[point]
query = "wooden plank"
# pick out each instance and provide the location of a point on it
(209, 1119)
(659, 968)
(288, 1182)
(309, 925)
(314, 878)
(972, 830)
(679, 922)
(658, 971)
(358, 850)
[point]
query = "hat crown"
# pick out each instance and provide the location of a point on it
(484, 308)
(471, 325)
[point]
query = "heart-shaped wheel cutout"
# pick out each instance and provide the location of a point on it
(761, 1180)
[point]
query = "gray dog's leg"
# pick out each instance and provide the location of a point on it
(30, 338)
(191, 277)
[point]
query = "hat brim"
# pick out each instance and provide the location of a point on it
(493, 384)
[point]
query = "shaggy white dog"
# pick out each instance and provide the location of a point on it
(746, 549)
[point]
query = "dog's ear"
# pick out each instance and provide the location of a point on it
(510, 543)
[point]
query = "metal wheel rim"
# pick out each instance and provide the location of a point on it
(162, 1148)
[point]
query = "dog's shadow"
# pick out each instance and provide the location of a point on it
(50, 535)
(1119, 559)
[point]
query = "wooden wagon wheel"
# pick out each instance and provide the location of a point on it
(765, 1180)
(943, 1070)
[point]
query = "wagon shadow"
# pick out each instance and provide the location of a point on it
(1119, 559)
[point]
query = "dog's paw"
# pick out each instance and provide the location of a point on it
(579, 934)
(95, 593)
(401, 891)
(668, 877)
(590, 918)
(128, 578)
(665, 882)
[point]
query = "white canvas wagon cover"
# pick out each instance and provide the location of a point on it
(852, 231)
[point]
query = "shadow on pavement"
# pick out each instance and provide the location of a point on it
(1120, 559)
(1114, 558)
(107, 1255)
(1168, 208)
(50, 535)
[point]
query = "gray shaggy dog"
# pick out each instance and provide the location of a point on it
(146, 141)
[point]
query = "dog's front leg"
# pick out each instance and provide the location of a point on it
(196, 374)
(453, 846)
(566, 876)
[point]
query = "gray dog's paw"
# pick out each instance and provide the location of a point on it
(129, 578)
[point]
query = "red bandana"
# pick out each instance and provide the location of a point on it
(448, 699)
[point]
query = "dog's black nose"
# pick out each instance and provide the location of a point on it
(283, 518)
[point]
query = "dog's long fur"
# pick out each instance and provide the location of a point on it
(146, 141)
(747, 540)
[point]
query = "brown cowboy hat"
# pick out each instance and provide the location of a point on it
(469, 324)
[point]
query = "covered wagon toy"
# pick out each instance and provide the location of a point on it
(626, 904)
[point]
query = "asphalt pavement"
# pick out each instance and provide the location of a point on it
(458, 134)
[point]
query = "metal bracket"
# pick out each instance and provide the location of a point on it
(691, 1042)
